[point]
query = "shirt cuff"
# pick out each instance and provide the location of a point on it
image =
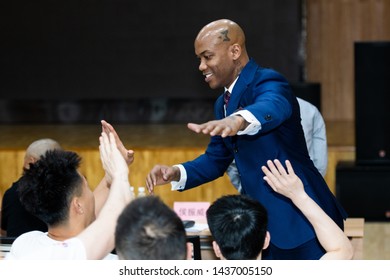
(180, 185)
(254, 125)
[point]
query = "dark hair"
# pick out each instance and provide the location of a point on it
(239, 225)
(47, 187)
(148, 229)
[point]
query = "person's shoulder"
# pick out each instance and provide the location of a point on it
(11, 190)
(37, 245)
(306, 105)
(30, 235)
(25, 243)
(268, 73)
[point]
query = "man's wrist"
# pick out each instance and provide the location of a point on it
(251, 126)
(176, 173)
(120, 176)
(241, 122)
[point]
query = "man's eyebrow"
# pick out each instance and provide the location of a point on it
(203, 53)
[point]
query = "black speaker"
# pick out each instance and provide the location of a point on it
(311, 92)
(372, 102)
(364, 191)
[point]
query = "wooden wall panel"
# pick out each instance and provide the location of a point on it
(145, 159)
(336, 154)
(11, 166)
(332, 28)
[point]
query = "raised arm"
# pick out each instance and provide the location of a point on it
(287, 183)
(98, 238)
(102, 189)
(228, 126)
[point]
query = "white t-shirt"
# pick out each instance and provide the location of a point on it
(36, 245)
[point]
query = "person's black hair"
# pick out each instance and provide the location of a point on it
(239, 225)
(47, 187)
(148, 229)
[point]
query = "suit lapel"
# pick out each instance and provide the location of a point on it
(241, 86)
(235, 98)
(219, 111)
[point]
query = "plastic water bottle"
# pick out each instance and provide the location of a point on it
(132, 192)
(141, 191)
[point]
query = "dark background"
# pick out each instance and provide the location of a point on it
(95, 58)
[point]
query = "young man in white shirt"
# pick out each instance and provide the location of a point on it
(54, 190)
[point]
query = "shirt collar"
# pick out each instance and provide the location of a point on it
(230, 89)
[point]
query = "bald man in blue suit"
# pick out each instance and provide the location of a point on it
(261, 121)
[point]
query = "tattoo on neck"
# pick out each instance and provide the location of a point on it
(224, 36)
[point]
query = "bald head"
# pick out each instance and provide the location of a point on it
(223, 31)
(220, 46)
(38, 148)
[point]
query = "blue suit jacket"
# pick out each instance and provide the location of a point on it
(267, 95)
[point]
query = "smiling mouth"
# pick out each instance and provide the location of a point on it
(208, 77)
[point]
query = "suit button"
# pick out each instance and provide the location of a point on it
(235, 150)
(268, 117)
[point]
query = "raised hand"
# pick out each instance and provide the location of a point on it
(281, 181)
(128, 155)
(113, 162)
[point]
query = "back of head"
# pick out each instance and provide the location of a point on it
(47, 187)
(38, 148)
(238, 224)
(148, 229)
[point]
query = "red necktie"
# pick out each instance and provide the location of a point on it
(226, 97)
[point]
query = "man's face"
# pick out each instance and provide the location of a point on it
(216, 61)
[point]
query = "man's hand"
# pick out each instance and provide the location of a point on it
(161, 175)
(284, 182)
(228, 126)
(128, 155)
(112, 160)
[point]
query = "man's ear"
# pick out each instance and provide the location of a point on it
(267, 240)
(236, 51)
(217, 250)
(28, 160)
(77, 206)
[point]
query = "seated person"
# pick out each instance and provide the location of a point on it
(54, 190)
(314, 128)
(15, 220)
(238, 223)
(148, 229)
